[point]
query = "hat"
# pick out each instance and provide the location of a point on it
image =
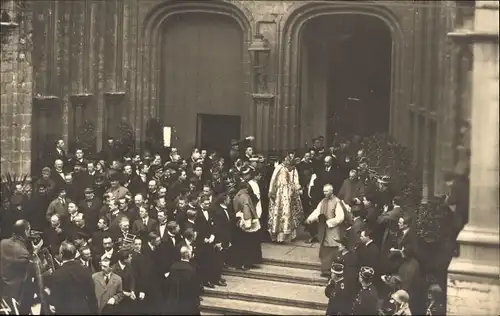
(115, 176)
(246, 170)
(401, 296)
(435, 288)
(366, 273)
(89, 190)
(363, 160)
(234, 142)
(384, 180)
(46, 169)
(192, 205)
(80, 164)
(81, 235)
(337, 268)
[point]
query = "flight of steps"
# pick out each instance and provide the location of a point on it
(288, 283)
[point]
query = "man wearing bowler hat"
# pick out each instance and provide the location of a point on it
(339, 300)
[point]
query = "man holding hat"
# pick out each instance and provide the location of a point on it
(366, 302)
(339, 300)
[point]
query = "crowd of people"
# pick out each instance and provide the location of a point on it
(146, 233)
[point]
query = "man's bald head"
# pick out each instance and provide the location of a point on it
(328, 160)
(21, 228)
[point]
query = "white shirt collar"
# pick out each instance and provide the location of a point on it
(122, 265)
(191, 221)
(369, 242)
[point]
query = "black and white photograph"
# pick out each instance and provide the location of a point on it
(249, 157)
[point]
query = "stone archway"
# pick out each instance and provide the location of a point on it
(148, 66)
(287, 124)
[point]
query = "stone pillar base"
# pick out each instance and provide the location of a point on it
(470, 295)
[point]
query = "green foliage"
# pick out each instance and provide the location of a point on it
(9, 182)
(387, 157)
(86, 138)
(154, 135)
(125, 140)
(432, 219)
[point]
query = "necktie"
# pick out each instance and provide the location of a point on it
(326, 169)
(62, 201)
(106, 279)
(173, 240)
(145, 222)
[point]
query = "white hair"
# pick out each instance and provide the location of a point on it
(328, 186)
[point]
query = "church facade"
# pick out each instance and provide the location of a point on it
(252, 65)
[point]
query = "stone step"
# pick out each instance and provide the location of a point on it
(294, 255)
(222, 306)
(281, 274)
(271, 292)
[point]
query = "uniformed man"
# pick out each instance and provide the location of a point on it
(366, 302)
(338, 301)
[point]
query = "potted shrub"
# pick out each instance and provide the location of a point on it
(125, 140)
(387, 157)
(86, 138)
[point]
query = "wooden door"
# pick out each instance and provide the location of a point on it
(202, 72)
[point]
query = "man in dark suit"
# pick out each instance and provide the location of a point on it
(224, 222)
(55, 235)
(87, 260)
(183, 292)
(407, 242)
(387, 225)
(368, 252)
(71, 286)
(168, 253)
(57, 175)
(144, 225)
(57, 152)
(358, 225)
(204, 226)
(148, 279)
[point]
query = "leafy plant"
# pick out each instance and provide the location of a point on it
(11, 180)
(86, 138)
(154, 135)
(125, 140)
(387, 157)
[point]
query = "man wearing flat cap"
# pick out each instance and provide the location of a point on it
(366, 302)
(339, 301)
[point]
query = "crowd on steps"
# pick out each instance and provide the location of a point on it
(147, 232)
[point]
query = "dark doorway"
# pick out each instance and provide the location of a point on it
(215, 132)
(353, 64)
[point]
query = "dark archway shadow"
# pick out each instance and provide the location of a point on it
(346, 81)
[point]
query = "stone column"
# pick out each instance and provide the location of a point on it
(473, 278)
(263, 103)
(16, 87)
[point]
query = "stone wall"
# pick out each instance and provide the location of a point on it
(16, 90)
(102, 56)
(475, 298)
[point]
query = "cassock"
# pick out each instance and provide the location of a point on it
(183, 292)
(330, 215)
